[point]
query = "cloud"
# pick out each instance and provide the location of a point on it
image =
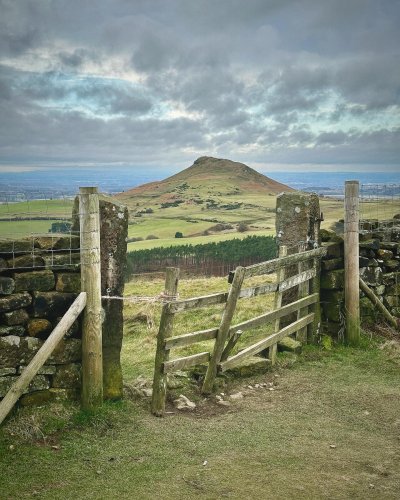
(260, 80)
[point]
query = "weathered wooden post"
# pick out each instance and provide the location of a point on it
(92, 362)
(351, 262)
(162, 354)
(280, 276)
(223, 330)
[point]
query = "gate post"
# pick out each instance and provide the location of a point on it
(92, 360)
(351, 262)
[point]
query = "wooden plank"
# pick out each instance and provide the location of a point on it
(273, 265)
(254, 291)
(314, 328)
(351, 262)
(223, 330)
(162, 354)
(267, 342)
(274, 314)
(92, 349)
(190, 338)
(196, 302)
(186, 362)
(231, 344)
(297, 280)
(41, 356)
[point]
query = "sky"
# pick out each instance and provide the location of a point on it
(276, 84)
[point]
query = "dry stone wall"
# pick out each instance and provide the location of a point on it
(39, 280)
(379, 268)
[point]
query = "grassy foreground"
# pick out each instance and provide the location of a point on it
(329, 429)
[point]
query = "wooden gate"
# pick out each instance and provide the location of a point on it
(305, 305)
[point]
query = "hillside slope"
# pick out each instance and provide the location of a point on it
(207, 177)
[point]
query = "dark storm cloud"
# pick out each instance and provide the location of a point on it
(285, 79)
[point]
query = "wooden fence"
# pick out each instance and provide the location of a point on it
(227, 335)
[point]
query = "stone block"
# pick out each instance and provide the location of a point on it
(393, 289)
(15, 301)
(18, 330)
(51, 304)
(39, 281)
(373, 244)
(3, 265)
(384, 254)
(390, 278)
(367, 309)
(36, 398)
(332, 303)
(7, 371)
(392, 265)
(39, 382)
(290, 344)
(16, 351)
(380, 289)
(371, 275)
(250, 366)
(44, 370)
(57, 242)
(334, 250)
(391, 301)
(392, 246)
(332, 264)
(29, 261)
(68, 282)
(62, 261)
(67, 376)
(39, 327)
(7, 285)
(10, 247)
(363, 261)
(67, 351)
(333, 280)
(14, 318)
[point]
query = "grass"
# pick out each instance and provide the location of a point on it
(328, 430)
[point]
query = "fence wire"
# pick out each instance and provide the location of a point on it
(36, 230)
(379, 207)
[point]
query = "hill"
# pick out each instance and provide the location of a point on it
(207, 177)
(212, 200)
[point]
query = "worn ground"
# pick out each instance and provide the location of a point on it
(328, 429)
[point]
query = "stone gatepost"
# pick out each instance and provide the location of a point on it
(298, 220)
(113, 235)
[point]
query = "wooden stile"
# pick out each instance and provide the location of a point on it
(395, 322)
(162, 354)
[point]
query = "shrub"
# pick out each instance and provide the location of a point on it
(151, 237)
(242, 227)
(178, 234)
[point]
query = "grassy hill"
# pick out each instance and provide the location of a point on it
(208, 200)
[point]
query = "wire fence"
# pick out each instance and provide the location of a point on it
(379, 207)
(36, 230)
